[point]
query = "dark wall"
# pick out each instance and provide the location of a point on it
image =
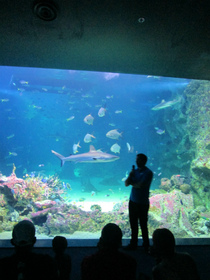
(201, 255)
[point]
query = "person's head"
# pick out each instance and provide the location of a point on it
(163, 242)
(23, 235)
(111, 236)
(59, 244)
(141, 160)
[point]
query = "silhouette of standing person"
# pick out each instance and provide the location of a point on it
(140, 178)
(25, 264)
(63, 260)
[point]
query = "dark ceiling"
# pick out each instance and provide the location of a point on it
(161, 38)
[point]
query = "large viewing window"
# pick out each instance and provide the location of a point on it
(68, 140)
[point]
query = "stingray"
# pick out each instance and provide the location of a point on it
(111, 181)
(87, 185)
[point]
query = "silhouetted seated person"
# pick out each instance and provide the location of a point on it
(109, 263)
(24, 264)
(63, 260)
(143, 276)
(171, 265)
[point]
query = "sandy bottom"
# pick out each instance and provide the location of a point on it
(106, 197)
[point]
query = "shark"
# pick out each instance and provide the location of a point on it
(93, 156)
(165, 104)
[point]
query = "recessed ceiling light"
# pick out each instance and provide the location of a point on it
(141, 20)
(45, 10)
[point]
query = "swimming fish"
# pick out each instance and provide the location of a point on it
(154, 77)
(109, 76)
(22, 82)
(70, 118)
(114, 134)
(75, 147)
(101, 112)
(77, 172)
(112, 124)
(89, 119)
(118, 112)
(66, 186)
(109, 97)
(115, 148)
(10, 136)
(13, 154)
(130, 148)
(93, 156)
(159, 131)
(88, 138)
(165, 104)
(4, 100)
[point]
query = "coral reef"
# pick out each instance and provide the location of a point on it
(39, 200)
(176, 182)
(198, 123)
(187, 149)
(20, 199)
(171, 210)
(166, 184)
(185, 188)
(95, 207)
(44, 203)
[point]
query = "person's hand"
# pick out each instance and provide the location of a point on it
(132, 173)
(127, 182)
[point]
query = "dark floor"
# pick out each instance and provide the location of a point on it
(201, 255)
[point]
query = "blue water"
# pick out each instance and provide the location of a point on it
(44, 109)
(36, 103)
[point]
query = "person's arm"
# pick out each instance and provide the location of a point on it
(128, 181)
(144, 179)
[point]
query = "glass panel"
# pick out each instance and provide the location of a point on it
(94, 124)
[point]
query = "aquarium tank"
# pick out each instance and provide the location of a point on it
(69, 139)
